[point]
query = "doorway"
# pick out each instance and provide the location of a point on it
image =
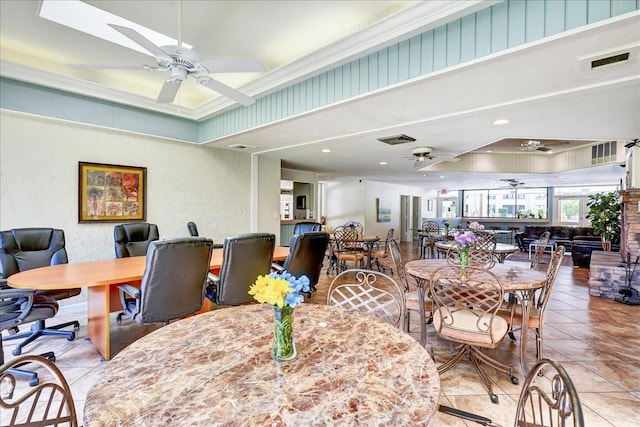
(405, 219)
(416, 216)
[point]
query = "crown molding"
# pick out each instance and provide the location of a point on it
(55, 81)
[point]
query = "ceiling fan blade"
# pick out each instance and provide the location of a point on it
(112, 67)
(233, 66)
(168, 91)
(142, 41)
(225, 90)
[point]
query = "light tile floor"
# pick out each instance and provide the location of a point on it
(596, 340)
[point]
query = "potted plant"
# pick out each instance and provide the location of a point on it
(604, 214)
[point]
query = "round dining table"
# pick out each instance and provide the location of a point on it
(501, 251)
(215, 369)
(514, 279)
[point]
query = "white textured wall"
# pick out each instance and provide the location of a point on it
(355, 200)
(39, 182)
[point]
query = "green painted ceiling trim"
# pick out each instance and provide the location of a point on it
(493, 29)
(44, 101)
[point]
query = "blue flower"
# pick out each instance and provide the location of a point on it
(297, 286)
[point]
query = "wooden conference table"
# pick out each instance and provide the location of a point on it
(101, 278)
(520, 280)
(216, 369)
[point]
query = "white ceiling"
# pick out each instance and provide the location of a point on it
(547, 89)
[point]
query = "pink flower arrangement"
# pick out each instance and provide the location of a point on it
(476, 226)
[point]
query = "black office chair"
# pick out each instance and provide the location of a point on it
(306, 226)
(193, 229)
(18, 306)
(306, 253)
(173, 282)
(245, 257)
(132, 239)
(24, 249)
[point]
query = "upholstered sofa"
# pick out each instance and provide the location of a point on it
(581, 241)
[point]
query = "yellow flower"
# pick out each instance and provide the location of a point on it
(271, 290)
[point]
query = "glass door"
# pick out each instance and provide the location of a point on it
(571, 211)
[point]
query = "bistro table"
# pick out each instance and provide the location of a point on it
(501, 251)
(216, 369)
(101, 278)
(520, 280)
(368, 242)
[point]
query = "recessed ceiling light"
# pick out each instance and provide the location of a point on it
(489, 151)
(383, 163)
(325, 150)
(91, 20)
(441, 176)
(501, 122)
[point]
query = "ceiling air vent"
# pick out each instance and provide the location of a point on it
(397, 139)
(604, 153)
(241, 146)
(610, 60)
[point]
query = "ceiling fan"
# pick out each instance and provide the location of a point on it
(532, 145)
(422, 156)
(182, 62)
(513, 183)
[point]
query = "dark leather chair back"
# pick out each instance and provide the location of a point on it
(133, 239)
(306, 253)
(193, 229)
(27, 248)
(245, 257)
(303, 227)
(174, 279)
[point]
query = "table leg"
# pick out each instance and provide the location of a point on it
(422, 284)
(98, 310)
(526, 299)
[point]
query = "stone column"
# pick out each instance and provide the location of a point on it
(630, 225)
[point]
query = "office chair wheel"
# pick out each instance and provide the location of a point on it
(14, 330)
(71, 336)
(514, 379)
(494, 398)
(17, 351)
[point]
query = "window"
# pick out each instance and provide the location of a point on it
(506, 203)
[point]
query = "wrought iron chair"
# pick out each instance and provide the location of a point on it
(466, 301)
(345, 249)
(541, 245)
(411, 297)
(431, 234)
(369, 292)
(548, 398)
(538, 305)
(173, 282)
(48, 403)
(382, 253)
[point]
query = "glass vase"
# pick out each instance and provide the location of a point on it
(284, 347)
(464, 263)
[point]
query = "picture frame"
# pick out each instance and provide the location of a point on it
(383, 210)
(111, 193)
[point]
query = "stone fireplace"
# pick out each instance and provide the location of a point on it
(607, 272)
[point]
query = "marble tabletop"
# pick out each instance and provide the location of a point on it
(215, 369)
(513, 278)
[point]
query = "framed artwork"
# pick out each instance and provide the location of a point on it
(383, 210)
(111, 193)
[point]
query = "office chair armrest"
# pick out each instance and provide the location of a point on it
(130, 290)
(11, 300)
(211, 289)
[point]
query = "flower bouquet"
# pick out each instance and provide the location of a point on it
(284, 292)
(446, 224)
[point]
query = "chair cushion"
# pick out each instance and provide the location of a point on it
(464, 328)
